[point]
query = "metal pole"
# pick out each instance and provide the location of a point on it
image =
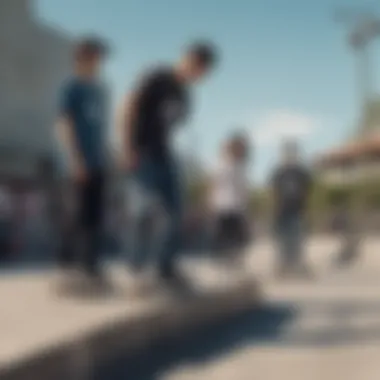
(364, 85)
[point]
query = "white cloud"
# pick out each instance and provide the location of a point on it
(278, 125)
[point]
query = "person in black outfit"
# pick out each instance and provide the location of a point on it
(82, 127)
(158, 103)
(291, 183)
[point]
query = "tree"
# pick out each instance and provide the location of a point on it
(371, 117)
(195, 179)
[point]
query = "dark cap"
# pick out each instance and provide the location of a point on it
(239, 139)
(204, 52)
(91, 46)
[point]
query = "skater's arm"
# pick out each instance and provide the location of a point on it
(247, 187)
(67, 136)
(128, 115)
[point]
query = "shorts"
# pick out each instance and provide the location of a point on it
(231, 231)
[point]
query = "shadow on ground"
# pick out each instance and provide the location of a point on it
(201, 345)
(270, 326)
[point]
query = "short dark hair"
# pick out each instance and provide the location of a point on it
(90, 47)
(204, 52)
(239, 138)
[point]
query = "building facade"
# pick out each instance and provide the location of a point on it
(353, 162)
(34, 59)
(357, 160)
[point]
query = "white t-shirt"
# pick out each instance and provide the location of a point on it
(229, 188)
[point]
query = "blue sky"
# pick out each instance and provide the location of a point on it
(285, 68)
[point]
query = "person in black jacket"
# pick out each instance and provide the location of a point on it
(291, 184)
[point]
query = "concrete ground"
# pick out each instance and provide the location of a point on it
(320, 330)
(328, 328)
(35, 321)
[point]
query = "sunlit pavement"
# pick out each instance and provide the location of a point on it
(328, 328)
(37, 323)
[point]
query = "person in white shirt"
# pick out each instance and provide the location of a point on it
(229, 201)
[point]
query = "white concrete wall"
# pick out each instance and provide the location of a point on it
(34, 60)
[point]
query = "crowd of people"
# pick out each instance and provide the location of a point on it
(152, 177)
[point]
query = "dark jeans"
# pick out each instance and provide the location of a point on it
(155, 183)
(289, 234)
(82, 223)
(230, 232)
(5, 240)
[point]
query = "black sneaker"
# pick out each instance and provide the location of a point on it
(348, 256)
(175, 282)
(100, 283)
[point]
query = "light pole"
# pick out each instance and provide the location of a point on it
(363, 28)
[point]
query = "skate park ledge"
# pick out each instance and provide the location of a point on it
(43, 336)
